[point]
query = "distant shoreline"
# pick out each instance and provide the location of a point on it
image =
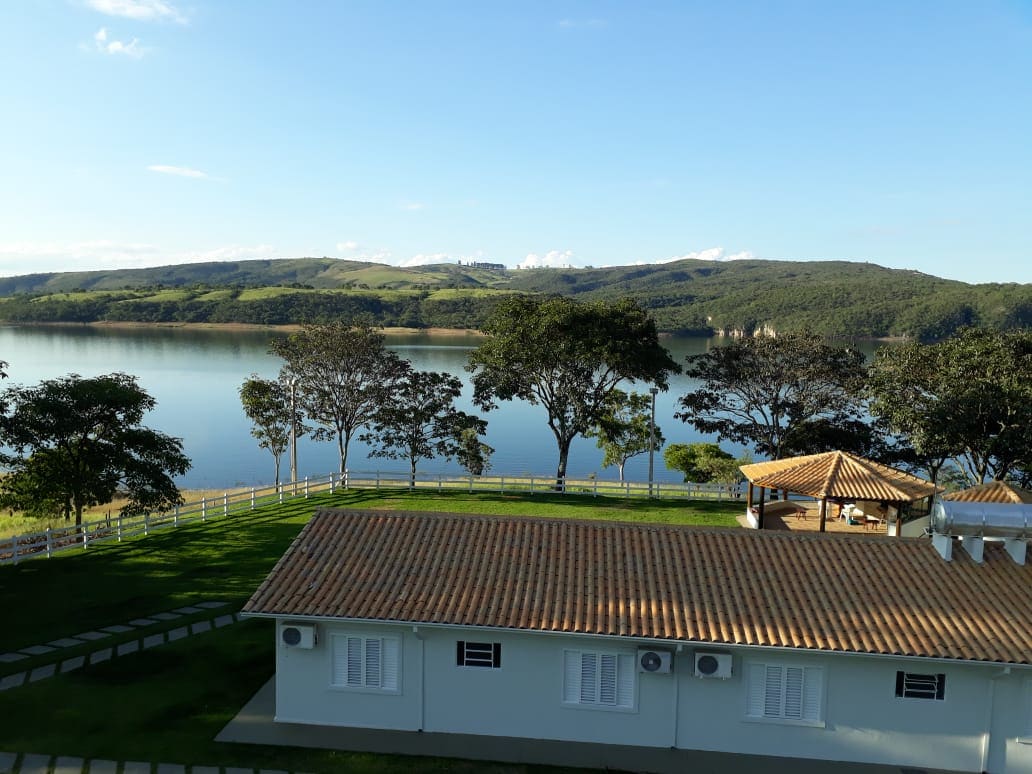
(240, 327)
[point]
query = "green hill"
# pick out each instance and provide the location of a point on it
(834, 298)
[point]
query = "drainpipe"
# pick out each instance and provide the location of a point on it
(990, 699)
(422, 677)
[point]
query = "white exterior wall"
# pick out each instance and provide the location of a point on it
(861, 719)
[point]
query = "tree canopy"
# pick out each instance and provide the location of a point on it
(420, 420)
(75, 442)
(266, 403)
(626, 428)
(967, 399)
(343, 375)
(567, 357)
(778, 395)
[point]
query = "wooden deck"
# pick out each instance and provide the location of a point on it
(781, 515)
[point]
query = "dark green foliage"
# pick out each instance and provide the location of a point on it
(626, 429)
(568, 357)
(700, 462)
(75, 442)
(266, 403)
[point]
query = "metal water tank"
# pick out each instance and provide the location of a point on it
(998, 520)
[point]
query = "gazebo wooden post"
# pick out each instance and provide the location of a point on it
(823, 509)
(759, 513)
(748, 498)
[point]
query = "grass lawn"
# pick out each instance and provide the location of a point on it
(167, 704)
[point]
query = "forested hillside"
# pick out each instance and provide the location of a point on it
(833, 298)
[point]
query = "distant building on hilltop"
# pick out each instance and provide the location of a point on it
(483, 265)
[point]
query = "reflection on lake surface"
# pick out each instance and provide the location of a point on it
(194, 374)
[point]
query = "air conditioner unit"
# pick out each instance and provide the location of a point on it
(713, 664)
(657, 662)
(298, 636)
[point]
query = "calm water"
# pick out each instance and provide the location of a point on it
(195, 374)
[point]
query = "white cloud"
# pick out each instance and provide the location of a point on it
(139, 10)
(108, 255)
(347, 247)
(105, 45)
(166, 169)
(710, 254)
(553, 259)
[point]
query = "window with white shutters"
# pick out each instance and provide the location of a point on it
(366, 662)
(598, 679)
(785, 692)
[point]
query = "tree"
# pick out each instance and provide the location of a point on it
(473, 454)
(568, 357)
(77, 441)
(421, 421)
(769, 392)
(623, 431)
(344, 374)
(700, 462)
(967, 399)
(266, 403)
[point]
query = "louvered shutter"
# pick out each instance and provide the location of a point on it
(588, 678)
(625, 684)
(391, 661)
(607, 679)
(571, 676)
(354, 662)
(813, 688)
(772, 687)
(757, 680)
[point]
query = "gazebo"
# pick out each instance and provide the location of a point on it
(992, 492)
(836, 477)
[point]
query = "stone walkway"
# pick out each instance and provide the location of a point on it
(31, 763)
(59, 664)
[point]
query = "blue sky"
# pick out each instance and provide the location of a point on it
(147, 132)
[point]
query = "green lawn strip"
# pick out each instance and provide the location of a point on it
(168, 704)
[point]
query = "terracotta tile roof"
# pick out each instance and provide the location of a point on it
(838, 475)
(735, 586)
(992, 492)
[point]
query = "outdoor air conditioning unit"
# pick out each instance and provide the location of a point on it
(709, 664)
(298, 636)
(657, 662)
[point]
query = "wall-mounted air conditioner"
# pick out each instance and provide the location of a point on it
(657, 662)
(298, 635)
(709, 664)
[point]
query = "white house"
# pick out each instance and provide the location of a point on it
(830, 647)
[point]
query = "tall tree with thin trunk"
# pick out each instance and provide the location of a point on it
(624, 430)
(267, 404)
(343, 373)
(568, 357)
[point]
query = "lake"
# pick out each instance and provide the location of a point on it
(195, 374)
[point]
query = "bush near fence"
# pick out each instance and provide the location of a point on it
(55, 540)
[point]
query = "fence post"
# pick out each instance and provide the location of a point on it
(14, 549)
(471, 483)
(377, 479)
(204, 509)
(331, 483)
(85, 529)
(502, 490)
(50, 544)
(438, 482)
(146, 523)
(225, 503)
(175, 517)
(532, 485)
(252, 498)
(306, 487)
(281, 494)
(119, 526)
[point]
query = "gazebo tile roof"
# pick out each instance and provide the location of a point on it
(992, 492)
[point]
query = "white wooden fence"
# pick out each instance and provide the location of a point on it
(54, 540)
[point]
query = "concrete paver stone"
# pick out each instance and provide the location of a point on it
(7, 760)
(40, 673)
(65, 765)
(35, 764)
(200, 626)
(223, 620)
(100, 655)
(117, 629)
(165, 616)
(103, 767)
(211, 604)
(238, 771)
(204, 770)
(142, 622)
(187, 610)
(73, 663)
(65, 642)
(178, 633)
(12, 681)
(91, 636)
(135, 767)
(271, 771)
(128, 647)
(154, 639)
(10, 658)
(37, 650)
(171, 768)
